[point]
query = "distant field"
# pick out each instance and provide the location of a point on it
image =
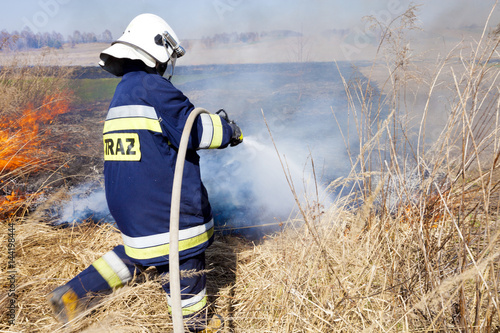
(92, 90)
(89, 90)
(289, 49)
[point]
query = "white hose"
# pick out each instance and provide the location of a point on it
(173, 261)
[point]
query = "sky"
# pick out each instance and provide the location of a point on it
(198, 18)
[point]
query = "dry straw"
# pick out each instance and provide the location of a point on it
(411, 246)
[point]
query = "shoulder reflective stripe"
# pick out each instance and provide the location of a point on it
(131, 111)
(134, 123)
(122, 147)
(132, 117)
(164, 238)
(217, 137)
(163, 250)
(208, 131)
(112, 269)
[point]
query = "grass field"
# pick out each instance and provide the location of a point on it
(412, 245)
(102, 89)
(92, 90)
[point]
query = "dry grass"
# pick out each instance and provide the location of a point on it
(31, 99)
(412, 245)
(22, 86)
(47, 257)
(415, 245)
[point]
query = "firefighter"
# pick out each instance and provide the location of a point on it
(141, 135)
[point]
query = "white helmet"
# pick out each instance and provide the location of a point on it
(147, 38)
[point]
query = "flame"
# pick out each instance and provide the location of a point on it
(10, 204)
(24, 147)
(21, 137)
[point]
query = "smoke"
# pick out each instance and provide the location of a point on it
(247, 184)
(250, 187)
(87, 202)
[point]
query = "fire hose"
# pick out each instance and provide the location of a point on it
(173, 262)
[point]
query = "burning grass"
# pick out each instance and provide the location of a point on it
(31, 100)
(23, 140)
(411, 245)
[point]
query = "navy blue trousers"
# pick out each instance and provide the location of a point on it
(116, 269)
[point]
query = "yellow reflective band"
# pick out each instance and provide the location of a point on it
(163, 250)
(218, 133)
(107, 273)
(122, 147)
(142, 242)
(190, 310)
(135, 123)
(195, 307)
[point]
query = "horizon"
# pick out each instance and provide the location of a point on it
(323, 33)
(228, 16)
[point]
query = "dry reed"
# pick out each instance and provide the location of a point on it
(415, 246)
(32, 97)
(412, 246)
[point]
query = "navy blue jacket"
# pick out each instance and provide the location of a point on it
(142, 132)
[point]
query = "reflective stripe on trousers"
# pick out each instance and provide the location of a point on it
(192, 304)
(108, 272)
(147, 247)
(113, 270)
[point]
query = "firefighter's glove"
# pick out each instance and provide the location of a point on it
(237, 136)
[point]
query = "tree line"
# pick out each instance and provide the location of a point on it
(245, 37)
(26, 39)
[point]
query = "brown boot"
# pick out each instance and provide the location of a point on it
(215, 324)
